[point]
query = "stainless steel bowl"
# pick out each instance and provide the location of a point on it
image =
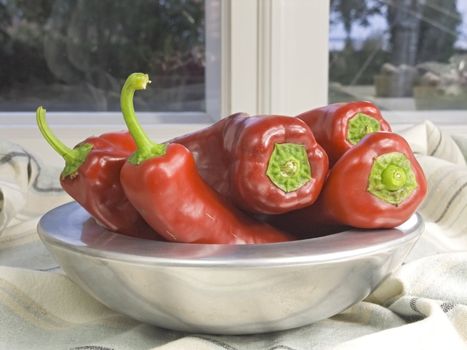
(224, 289)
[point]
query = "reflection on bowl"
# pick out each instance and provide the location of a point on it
(224, 289)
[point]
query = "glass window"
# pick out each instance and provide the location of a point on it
(74, 55)
(400, 54)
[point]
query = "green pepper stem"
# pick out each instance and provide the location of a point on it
(66, 152)
(288, 166)
(73, 157)
(146, 148)
(359, 126)
(393, 177)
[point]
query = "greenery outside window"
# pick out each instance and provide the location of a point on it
(401, 54)
(74, 55)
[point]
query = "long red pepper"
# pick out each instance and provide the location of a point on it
(163, 184)
(263, 164)
(92, 177)
(338, 127)
(376, 184)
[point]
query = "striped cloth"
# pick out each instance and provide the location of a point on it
(422, 306)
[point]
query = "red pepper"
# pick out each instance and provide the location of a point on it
(376, 184)
(263, 164)
(92, 177)
(163, 184)
(338, 127)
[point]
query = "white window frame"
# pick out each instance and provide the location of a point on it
(274, 55)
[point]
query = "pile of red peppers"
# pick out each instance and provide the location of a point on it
(245, 179)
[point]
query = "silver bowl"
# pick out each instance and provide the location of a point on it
(224, 289)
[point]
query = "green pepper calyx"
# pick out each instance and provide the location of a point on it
(288, 167)
(74, 157)
(146, 148)
(392, 178)
(359, 126)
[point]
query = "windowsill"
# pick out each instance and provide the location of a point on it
(442, 118)
(28, 136)
(14, 119)
(72, 128)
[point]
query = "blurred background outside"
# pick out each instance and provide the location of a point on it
(400, 54)
(74, 55)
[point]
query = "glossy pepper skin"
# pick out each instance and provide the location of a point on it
(338, 127)
(376, 184)
(163, 184)
(92, 177)
(263, 164)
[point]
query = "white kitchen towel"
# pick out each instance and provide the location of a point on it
(422, 306)
(28, 189)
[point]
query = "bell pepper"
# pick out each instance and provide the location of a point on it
(162, 182)
(92, 177)
(262, 164)
(340, 126)
(376, 184)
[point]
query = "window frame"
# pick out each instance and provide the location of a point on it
(265, 72)
(254, 66)
(251, 66)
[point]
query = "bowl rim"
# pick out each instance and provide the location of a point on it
(69, 227)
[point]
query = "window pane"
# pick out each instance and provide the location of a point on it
(400, 54)
(74, 55)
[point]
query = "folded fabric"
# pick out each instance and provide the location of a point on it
(422, 306)
(28, 189)
(444, 209)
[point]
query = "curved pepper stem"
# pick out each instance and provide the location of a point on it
(73, 157)
(392, 178)
(146, 148)
(288, 167)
